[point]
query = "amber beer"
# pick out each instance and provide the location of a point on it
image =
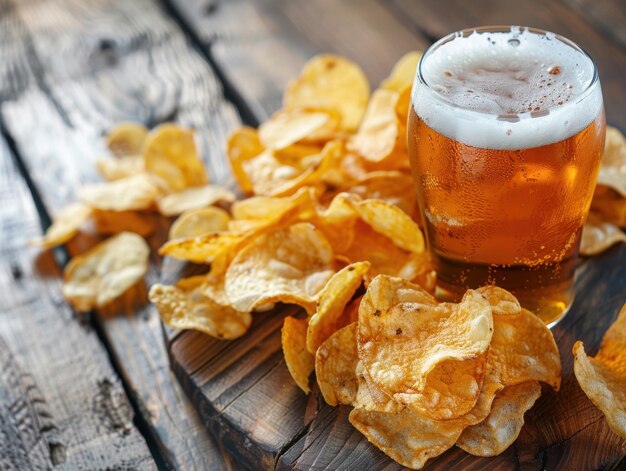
(505, 137)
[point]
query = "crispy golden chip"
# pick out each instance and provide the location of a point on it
(403, 105)
(273, 208)
(126, 139)
(379, 131)
(288, 127)
(204, 248)
(106, 271)
(598, 236)
(405, 436)
(128, 194)
(300, 362)
(335, 364)
(269, 176)
(170, 153)
(289, 265)
(64, 226)
(242, 145)
(332, 302)
(609, 206)
(394, 187)
(505, 421)
(121, 167)
(502, 302)
(403, 72)
(403, 335)
(333, 83)
(199, 221)
(186, 307)
(613, 168)
(603, 378)
(114, 222)
(523, 349)
(193, 198)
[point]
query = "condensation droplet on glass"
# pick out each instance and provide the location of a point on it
(514, 42)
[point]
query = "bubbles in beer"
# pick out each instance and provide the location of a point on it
(506, 77)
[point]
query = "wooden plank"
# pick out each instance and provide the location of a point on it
(260, 46)
(436, 19)
(58, 129)
(61, 403)
(606, 15)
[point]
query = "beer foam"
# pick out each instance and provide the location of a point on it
(507, 90)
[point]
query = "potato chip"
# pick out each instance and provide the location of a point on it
(204, 248)
(128, 194)
(332, 302)
(335, 365)
(126, 139)
(407, 437)
(106, 271)
(379, 131)
(613, 168)
(170, 153)
(289, 265)
(199, 221)
(64, 226)
(189, 199)
(505, 421)
(394, 187)
(121, 167)
(603, 378)
(403, 106)
(186, 307)
(403, 335)
(242, 145)
(288, 127)
(598, 236)
(266, 208)
(332, 83)
(403, 73)
(114, 222)
(300, 362)
(609, 206)
(502, 302)
(269, 176)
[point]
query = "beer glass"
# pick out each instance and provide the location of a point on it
(505, 137)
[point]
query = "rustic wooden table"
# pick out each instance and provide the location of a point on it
(98, 392)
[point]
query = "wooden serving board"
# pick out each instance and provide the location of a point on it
(242, 388)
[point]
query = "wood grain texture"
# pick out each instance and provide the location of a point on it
(436, 19)
(100, 62)
(61, 402)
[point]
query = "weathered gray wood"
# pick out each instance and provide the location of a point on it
(61, 402)
(100, 62)
(436, 19)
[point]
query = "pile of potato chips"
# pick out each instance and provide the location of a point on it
(421, 375)
(603, 378)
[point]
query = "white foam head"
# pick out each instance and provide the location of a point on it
(513, 89)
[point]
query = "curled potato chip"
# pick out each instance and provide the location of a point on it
(114, 222)
(289, 265)
(613, 168)
(332, 302)
(403, 73)
(300, 362)
(502, 302)
(288, 127)
(379, 132)
(186, 307)
(65, 225)
(105, 272)
(127, 194)
(121, 167)
(193, 198)
(267, 208)
(598, 236)
(333, 83)
(170, 153)
(199, 221)
(404, 336)
(335, 365)
(505, 421)
(392, 186)
(204, 248)
(126, 138)
(269, 176)
(603, 378)
(242, 145)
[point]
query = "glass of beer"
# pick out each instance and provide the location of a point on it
(505, 137)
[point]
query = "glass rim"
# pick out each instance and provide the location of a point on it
(595, 79)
